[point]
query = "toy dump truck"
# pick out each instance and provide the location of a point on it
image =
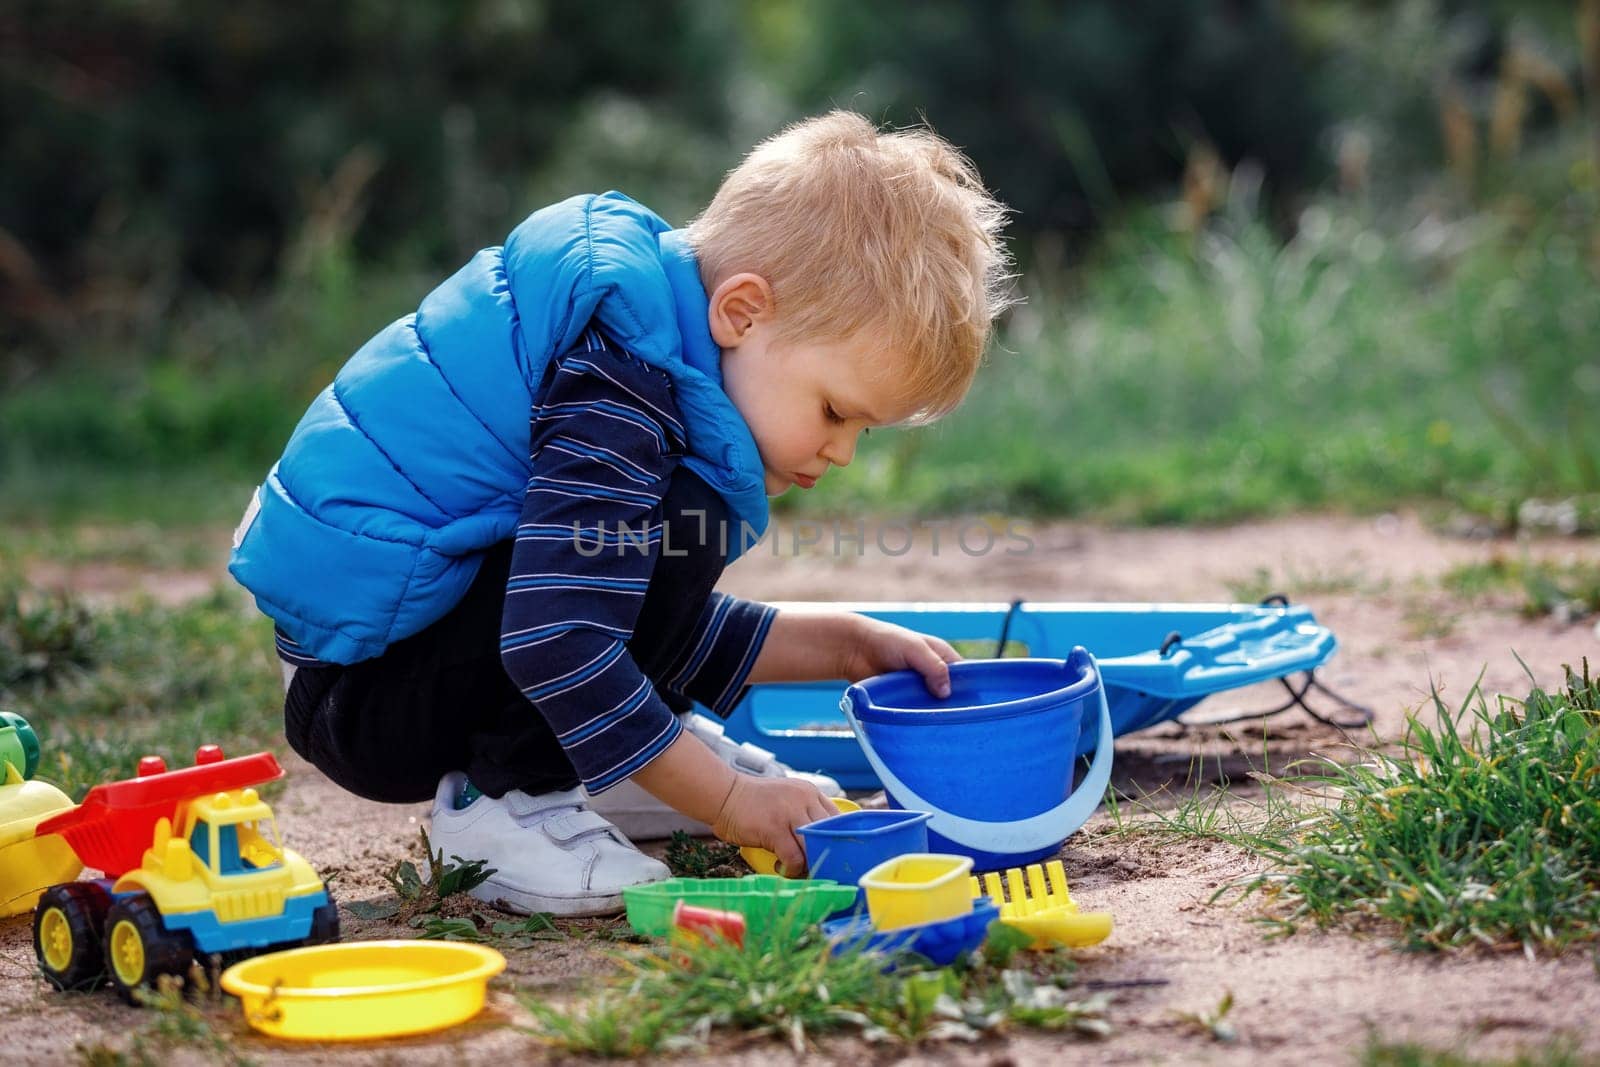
(191, 866)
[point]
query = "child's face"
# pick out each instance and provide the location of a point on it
(806, 403)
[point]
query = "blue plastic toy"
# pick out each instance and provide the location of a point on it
(849, 845)
(1157, 661)
(941, 942)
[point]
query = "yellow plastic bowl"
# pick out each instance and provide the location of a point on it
(363, 989)
(764, 861)
(917, 888)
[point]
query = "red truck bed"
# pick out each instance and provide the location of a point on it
(116, 822)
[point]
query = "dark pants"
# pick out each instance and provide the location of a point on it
(389, 728)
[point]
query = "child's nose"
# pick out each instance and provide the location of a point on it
(840, 449)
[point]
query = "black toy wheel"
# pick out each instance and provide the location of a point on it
(140, 949)
(324, 924)
(66, 934)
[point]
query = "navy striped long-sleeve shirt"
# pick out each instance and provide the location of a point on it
(606, 438)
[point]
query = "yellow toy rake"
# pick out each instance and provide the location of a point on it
(1044, 911)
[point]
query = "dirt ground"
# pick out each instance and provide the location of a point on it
(1313, 997)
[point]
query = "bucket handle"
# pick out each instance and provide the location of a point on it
(1024, 835)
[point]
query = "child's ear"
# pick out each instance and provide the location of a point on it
(738, 304)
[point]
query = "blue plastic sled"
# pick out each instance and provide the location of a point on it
(1157, 661)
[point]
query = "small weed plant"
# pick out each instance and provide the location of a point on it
(179, 1014)
(484, 929)
(444, 880)
(1483, 829)
(420, 897)
(690, 857)
(1212, 1023)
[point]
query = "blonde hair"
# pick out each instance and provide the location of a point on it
(859, 230)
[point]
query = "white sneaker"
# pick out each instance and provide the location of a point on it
(642, 816)
(550, 852)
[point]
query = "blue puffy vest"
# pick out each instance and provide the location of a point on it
(372, 524)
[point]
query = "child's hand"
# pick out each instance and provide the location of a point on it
(764, 812)
(877, 647)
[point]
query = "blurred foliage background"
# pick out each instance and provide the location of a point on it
(1322, 253)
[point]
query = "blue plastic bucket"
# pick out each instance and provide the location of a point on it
(993, 762)
(846, 846)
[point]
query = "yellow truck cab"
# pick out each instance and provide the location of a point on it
(223, 856)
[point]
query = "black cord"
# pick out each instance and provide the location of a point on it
(1264, 713)
(1297, 697)
(1005, 628)
(1363, 713)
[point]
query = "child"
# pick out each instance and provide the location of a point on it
(490, 545)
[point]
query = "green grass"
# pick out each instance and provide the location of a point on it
(1298, 583)
(1540, 587)
(105, 686)
(785, 984)
(173, 425)
(1207, 812)
(143, 545)
(42, 503)
(1404, 1054)
(1482, 829)
(1367, 361)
